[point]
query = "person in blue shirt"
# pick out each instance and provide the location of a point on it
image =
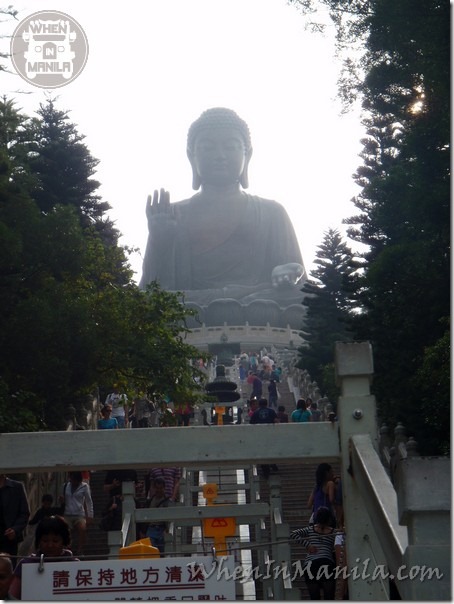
(107, 422)
(301, 413)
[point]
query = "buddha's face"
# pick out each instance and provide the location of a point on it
(219, 156)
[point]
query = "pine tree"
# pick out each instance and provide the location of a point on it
(404, 204)
(72, 319)
(328, 305)
(64, 168)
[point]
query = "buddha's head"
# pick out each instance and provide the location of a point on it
(219, 148)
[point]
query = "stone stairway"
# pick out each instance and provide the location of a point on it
(297, 481)
(96, 545)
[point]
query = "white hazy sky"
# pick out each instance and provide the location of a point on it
(155, 65)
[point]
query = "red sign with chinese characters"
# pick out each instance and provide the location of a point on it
(132, 579)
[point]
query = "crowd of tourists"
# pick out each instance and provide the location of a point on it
(53, 527)
(57, 530)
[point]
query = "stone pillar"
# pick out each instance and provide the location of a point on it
(114, 542)
(357, 415)
(423, 488)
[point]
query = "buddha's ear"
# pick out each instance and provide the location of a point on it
(196, 182)
(244, 178)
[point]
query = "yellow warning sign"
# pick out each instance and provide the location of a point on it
(219, 527)
(210, 491)
(219, 522)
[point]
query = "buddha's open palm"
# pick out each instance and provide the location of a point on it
(159, 207)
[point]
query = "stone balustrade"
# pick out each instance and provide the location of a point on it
(396, 447)
(247, 336)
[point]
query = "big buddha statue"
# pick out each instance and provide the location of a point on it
(222, 247)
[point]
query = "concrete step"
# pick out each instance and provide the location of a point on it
(297, 482)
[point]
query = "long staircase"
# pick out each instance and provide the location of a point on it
(96, 545)
(296, 480)
(385, 517)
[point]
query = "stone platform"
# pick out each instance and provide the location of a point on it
(244, 337)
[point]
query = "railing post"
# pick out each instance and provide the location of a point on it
(114, 542)
(385, 439)
(129, 507)
(423, 486)
(280, 532)
(357, 415)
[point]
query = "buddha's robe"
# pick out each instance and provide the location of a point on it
(222, 252)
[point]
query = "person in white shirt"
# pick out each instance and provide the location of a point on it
(119, 404)
(78, 506)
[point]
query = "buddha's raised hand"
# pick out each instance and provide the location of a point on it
(159, 206)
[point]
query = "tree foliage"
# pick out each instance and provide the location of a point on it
(6, 13)
(58, 148)
(404, 204)
(328, 307)
(72, 319)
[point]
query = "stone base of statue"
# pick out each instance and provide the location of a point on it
(226, 327)
(259, 312)
(278, 307)
(226, 341)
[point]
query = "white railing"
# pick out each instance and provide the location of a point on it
(247, 335)
(395, 531)
(402, 530)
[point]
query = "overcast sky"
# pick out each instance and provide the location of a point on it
(155, 65)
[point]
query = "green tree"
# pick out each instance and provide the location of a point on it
(9, 12)
(433, 380)
(20, 409)
(72, 319)
(328, 308)
(406, 285)
(58, 149)
(404, 204)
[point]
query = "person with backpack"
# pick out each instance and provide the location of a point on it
(142, 412)
(119, 404)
